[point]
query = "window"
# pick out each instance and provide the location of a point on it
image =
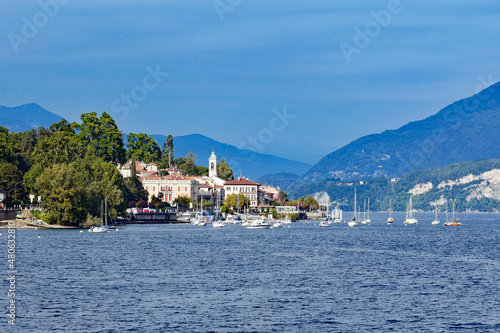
(185, 188)
(254, 189)
(153, 188)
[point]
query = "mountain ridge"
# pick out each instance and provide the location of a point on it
(243, 161)
(457, 133)
(26, 116)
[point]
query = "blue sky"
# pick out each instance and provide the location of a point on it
(234, 65)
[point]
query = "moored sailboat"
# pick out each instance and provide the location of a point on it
(354, 221)
(436, 221)
(390, 220)
(455, 221)
(409, 213)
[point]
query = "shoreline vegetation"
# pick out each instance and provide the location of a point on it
(72, 167)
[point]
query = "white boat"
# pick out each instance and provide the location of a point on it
(354, 221)
(104, 219)
(436, 221)
(98, 229)
(217, 224)
(409, 213)
(258, 224)
(325, 223)
(454, 220)
(337, 215)
(277, 224)
(364, 221)
(390, 220)
(368, 218)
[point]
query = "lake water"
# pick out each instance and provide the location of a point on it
(182, 278)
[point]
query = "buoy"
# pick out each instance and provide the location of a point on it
(81, 231)
(38, 236)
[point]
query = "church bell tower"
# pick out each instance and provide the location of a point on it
(212, 165)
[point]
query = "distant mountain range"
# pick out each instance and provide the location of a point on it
(246, 162)
(25, 117)
(475, 186)
(467, 130)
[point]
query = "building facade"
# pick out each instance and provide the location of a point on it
(245, 187)
(171, 187)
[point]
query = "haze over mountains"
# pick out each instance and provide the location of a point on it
(466, 130)
(25, 117)
(246, 162)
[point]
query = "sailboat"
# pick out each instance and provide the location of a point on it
(454, 221)
(364, 213)
(104, 219)
(354, 221)
(337, 214)
(390, 220)
(368, 218)
(436, 221)
(409, 213)
(217, 222)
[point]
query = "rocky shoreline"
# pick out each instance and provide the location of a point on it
(35, 224)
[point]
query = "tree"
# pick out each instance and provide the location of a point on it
(182, 201)
(191, 156)
(224, 170)
(201, 171)
(189, 166)
(58, 147)
(103, 136)
(63, 125)
(143, 148)
(168, 149)
(11, 180)
(62, 192)
(232, 201)
(283, 196)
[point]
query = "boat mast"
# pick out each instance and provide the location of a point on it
(106, 211)
(453, 210)
(446, 210)
(368, 208)
(355, 204)
(390, 207)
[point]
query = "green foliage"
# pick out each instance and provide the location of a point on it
(168, 151)
(381, 190)
(182, 201)
(143, 148)
(224, 171)
(232, 201)
(61, 189)
(283, 196)
(189, 166)
(201, 171)
(11, 180)
(224, 209)
(102, 136)
(58, 147)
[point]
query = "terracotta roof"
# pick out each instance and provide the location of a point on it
(242, 181)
